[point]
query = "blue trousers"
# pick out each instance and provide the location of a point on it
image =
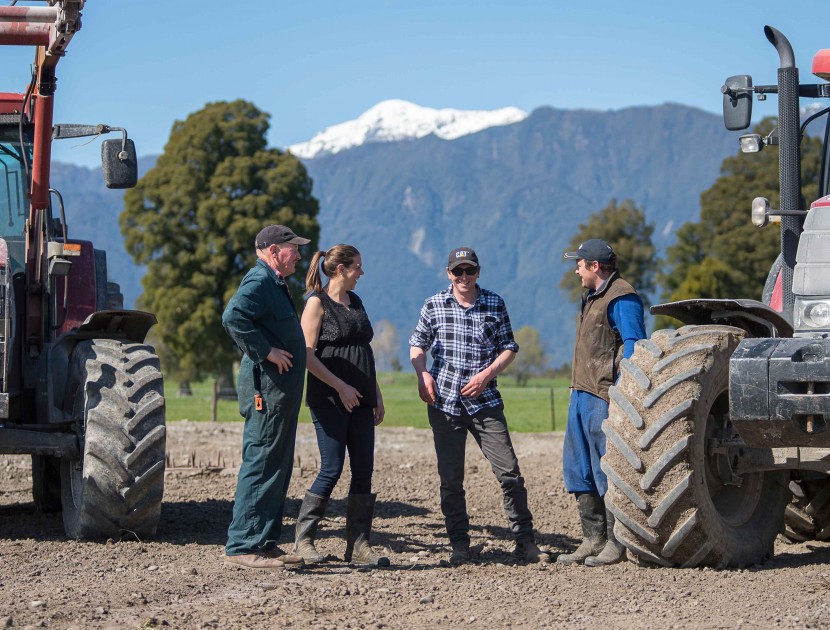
(339, 431)
(585, 444)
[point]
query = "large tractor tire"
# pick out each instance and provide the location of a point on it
(676, 499)
(115, 489)
(807, 517)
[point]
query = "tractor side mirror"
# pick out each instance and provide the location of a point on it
(737, 102)
(119, 163)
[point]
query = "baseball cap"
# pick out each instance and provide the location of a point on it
(593, 249)
(462, 256)
(276, 234)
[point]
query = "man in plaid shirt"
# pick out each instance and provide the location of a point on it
(468, 332)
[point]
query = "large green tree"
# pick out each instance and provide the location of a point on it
(724, 255)
(531, 359)
(625, 228)
(192, 220)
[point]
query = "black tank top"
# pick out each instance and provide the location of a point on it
(343, 347)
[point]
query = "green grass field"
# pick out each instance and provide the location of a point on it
(533, 408)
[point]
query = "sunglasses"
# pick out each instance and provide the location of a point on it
(459, 271)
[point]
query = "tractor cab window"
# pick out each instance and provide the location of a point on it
(13, 204)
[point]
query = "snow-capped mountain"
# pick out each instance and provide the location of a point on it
(393, 120)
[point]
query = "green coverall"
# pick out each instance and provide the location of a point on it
(260, 316)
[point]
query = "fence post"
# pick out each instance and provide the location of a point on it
(552, 412)
(214, 400)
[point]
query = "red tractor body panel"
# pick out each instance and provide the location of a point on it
(83, 285)
(11, 103)
(776, 302)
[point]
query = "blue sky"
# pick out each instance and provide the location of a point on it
(313, 63)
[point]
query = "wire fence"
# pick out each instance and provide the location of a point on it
(537, 408)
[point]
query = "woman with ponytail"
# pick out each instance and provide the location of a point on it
(345, 401)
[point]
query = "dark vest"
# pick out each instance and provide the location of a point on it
(598, 347)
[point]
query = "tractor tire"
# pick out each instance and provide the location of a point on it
(676, 499)
(115, 489)
(807, 517)
(46, 483)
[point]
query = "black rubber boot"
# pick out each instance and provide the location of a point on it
(311, 513)
(358, 530)
(613, 552)
(460, 553)
(592, 518)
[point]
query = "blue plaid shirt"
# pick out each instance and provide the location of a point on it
(463, 341)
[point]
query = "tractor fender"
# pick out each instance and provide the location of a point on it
(129, 325)
(124, 325)
(756, 318)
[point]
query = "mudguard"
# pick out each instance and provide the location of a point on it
(53, 374)
(756, 318)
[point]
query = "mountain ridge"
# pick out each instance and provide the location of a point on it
(516, 193)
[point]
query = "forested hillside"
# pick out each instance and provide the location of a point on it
(515, 193)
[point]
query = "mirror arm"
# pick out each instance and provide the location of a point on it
(122, 155)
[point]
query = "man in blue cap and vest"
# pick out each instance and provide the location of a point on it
(610, 322)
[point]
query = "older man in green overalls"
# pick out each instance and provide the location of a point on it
(263, 322)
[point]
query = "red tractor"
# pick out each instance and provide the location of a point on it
(713, 426)
(80, 391)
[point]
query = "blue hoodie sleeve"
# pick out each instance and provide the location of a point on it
(625, 314)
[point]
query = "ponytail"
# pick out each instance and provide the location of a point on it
(335, 256)
(312, 278)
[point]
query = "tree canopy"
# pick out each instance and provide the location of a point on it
(625, 228)
(724, 255)
(531, 359)
(192, 220)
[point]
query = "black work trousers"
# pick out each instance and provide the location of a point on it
(489, 428)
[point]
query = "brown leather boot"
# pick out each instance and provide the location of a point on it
(290, 561)
(592, 518)
(260, 561)
(529, 552)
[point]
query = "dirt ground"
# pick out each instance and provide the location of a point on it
(178, 580)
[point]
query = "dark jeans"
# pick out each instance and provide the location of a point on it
(489, 428)
(337, 432)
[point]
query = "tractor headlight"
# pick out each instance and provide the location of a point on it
(760, 211)
(751, 143)
(812, 314)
